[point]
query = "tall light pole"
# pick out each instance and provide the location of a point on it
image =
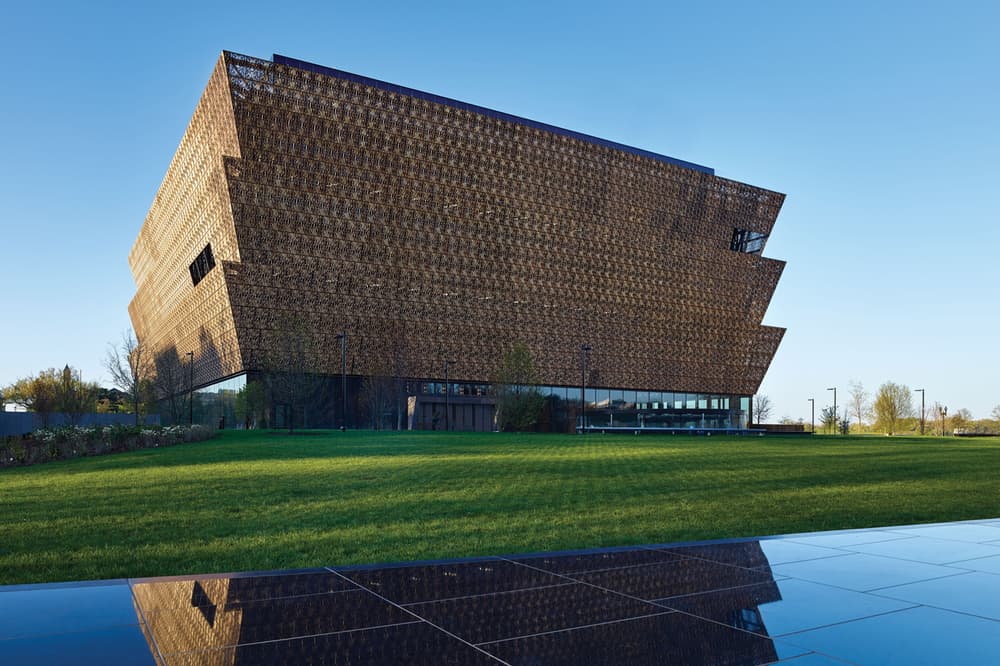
(921, 410)
(943, 411)
(447, 397)
(812, 419)
(583, 387)
(190, 356)
(342, 336)
(834, 389)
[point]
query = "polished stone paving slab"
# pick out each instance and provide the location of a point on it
(905, 594)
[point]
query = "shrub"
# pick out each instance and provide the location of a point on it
(72, 441)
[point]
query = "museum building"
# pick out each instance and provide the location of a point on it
(392, 246)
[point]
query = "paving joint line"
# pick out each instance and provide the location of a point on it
(485, 594)
(581, 626)
(603, 589)
(423, 619)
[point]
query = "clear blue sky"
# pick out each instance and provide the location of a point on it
(880, 121)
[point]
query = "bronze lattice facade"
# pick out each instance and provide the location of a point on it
(450, 231)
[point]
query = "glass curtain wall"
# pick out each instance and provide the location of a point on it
(624, 408)
(214, 405)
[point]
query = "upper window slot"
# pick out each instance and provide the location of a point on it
(202, 264)
(749, 242)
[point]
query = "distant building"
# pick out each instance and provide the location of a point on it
(305, 201)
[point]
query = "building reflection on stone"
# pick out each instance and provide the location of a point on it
(322, 616)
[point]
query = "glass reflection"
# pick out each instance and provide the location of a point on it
(520, 611)
(715, 603)
(775, 608)
(215, 405)
(672, 638)
(624, 409)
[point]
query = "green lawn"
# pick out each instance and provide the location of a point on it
(268, 501)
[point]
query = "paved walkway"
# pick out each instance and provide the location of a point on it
(920, 594)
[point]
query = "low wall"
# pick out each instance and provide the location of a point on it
(21, 423)
(782, 428)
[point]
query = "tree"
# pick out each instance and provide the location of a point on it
(828, 419)
(519, 402)
(892, 403)
(858, 401)
(995, 414)
(110, 401)
(18, 393)
(398, 354)
(171, 382)
(939, 412)
(130, 365)
(292, 378)
(39, 394)
(54, 391)
(761, 407)
(960, 419)
(251, 404)
(75, 397)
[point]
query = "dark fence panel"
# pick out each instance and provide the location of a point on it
(21, 423)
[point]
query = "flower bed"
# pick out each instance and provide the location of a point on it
(75, 441)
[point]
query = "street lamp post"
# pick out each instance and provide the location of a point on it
(190, 356)
(812, 418)
(943, 411)
(583, 387)
(834, 389)
(921, 410)
(342, 336)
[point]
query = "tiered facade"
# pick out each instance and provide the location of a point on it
(431, 230)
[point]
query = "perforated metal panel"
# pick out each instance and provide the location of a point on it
(448, 231)
(192, 209)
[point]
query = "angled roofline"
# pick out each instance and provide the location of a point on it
(500, 115)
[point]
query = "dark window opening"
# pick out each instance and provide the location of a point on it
(749, 242)
(202, 264)
(200, 600)
(749, 619)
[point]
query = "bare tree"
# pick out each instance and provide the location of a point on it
(892, 403)
(995, 414)
(858, 400)
(939, 412)
(377, 398)
(130, 365)
(292, 379)
(761, 407)
(398, 355)
(845, 422)
(171, 381)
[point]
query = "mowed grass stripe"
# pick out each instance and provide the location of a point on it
(270, 501)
